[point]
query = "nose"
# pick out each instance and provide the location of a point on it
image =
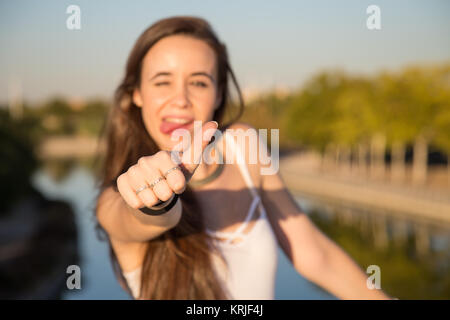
(181, 97)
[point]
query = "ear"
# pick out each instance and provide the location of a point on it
(137, 98)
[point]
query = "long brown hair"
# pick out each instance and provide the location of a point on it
(177, 264)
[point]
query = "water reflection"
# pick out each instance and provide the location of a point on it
(413, 256)
(411, 267)
(38, 243)
(78, 188)
(38, 236)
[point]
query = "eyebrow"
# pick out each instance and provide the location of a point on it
(165, 73)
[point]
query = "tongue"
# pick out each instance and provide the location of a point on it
(167, 127)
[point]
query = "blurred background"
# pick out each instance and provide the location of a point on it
(363, 117)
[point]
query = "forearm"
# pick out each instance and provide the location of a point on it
(128, 224)
(340, 275)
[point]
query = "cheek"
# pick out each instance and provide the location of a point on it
(149, 108)
(149, 112)
(152, 104)
(206, 102)
(201, 100)
(153, 101)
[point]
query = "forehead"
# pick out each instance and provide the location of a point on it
(180, 53)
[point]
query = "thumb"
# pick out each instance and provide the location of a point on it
(191, 157)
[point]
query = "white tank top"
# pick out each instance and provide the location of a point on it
(252, 261)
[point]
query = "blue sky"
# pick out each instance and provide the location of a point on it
(271, 43)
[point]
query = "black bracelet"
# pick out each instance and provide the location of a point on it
(157, 212)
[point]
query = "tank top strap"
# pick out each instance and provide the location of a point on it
(240, 159)
(256, 203)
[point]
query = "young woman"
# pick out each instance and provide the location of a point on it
(218, 235)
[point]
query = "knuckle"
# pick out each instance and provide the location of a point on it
(165, 195)
(121, 183)
(134, 204)
(119, 180)
(163, 155)
(149, 203)
(142, 161)
(178, 185)
(159, 154)
(180, 190)
(132, 170)
(148, 199)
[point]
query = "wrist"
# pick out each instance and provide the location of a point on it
(161, 207)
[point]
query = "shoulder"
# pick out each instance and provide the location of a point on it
(247, 137)
(240, 131)
(241, 125)
(243, 134)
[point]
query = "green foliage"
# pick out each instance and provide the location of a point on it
(332, 108)
(57, 117)
(91, 118)
(337, 108)
(265, 113)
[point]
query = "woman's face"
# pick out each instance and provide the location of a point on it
(178, 87)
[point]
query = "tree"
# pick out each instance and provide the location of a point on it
(310, 112)
(420, 92)
(442, 121)
(399, 130)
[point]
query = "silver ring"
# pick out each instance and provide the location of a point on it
(155, 182)
(141, 189)
(170, 170)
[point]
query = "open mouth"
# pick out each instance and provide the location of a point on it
(170, 124)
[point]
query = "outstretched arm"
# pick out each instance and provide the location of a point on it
(312, 253)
